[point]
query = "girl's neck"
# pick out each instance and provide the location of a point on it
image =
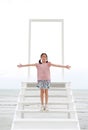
(43, 61)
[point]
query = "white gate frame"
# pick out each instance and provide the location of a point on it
(29, 45)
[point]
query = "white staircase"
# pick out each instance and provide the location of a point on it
(62, 113)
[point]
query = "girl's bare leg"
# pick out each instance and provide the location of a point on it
(46, 96)
(42, 96)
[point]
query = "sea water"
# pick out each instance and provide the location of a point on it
(8, 101)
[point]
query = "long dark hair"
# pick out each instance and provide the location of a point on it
(40, 62)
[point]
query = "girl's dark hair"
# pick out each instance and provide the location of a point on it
(40, 62)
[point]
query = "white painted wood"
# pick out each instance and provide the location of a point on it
(52, 103)
(62, 114)
(53, 84)
(47, 129)
(62, 40)
(45, 123)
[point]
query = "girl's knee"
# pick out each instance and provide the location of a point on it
(46, 91)
(42, 91)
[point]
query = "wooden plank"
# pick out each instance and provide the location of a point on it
(53, 111)
(52, 103)
(44, 123)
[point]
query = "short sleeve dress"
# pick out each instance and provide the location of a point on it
(43, 75)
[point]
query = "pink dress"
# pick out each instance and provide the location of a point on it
(43, 75)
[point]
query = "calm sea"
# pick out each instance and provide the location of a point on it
(8, 99)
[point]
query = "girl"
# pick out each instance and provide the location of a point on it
(43, 77)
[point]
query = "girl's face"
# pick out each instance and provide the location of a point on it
(44, 58)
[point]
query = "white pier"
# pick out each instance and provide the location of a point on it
(61, 115)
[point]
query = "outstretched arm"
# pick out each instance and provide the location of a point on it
(62, 66)
(26, 65)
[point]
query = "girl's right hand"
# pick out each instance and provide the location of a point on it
(20, 65)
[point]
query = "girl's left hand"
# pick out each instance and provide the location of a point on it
(68, 67)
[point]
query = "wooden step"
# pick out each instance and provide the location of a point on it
(46, 129)
(45, 123)
(51, 100)
(55, 84)
(50, 89)
(49, 111)
(59, 114)
(26, 95)
(50, 103)
(37, 92)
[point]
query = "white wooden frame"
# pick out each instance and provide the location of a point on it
(29, 45)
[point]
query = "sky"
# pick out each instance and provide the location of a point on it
(14, 39)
